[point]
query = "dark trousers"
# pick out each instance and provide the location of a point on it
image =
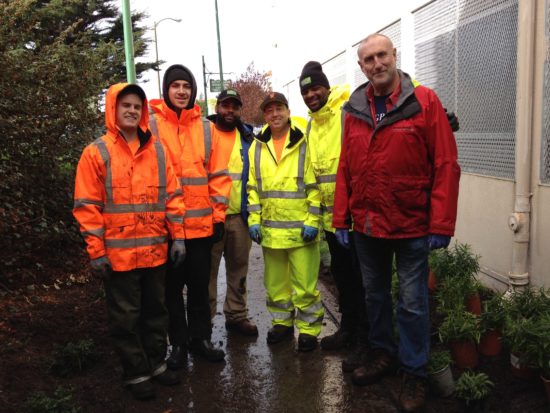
(345, 269)
(191, 320)
(138, 319)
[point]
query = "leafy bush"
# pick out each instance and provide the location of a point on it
(60, 402)
(438, 360)
(493, 313)
(459, 325)
(473, 386)
(73, 358)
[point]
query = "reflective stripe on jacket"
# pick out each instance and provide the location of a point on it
(196, 160)
(128, 206)
(324, 142)
(398, 178)
(282, 196)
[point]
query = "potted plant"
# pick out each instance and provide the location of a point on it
(440, 375)
(524, 331)
(460, 330)
(473, 389)
(490, 324)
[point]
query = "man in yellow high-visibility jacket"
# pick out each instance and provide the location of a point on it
(284, 207)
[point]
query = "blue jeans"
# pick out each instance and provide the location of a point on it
(413, 318)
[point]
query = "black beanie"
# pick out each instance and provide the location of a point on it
(312, 75)
(178, 72)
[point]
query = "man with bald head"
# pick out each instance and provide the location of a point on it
(397, 185)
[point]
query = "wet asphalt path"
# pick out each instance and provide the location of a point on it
(259, 378)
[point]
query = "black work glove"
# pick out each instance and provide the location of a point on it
(101, 267)
(453, 120)
(219, 230)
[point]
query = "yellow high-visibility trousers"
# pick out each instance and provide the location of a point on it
(290, 279)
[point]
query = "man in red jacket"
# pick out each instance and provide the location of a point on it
(397, 183)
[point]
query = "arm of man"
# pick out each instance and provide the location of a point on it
(219, 182)
(89, 201)
(175, 207)
(313, 195)
(446, 171)
(342, 213)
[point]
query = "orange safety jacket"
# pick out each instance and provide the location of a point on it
(127, 205)
(198, 163)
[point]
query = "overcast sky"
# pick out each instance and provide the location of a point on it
(277, 35)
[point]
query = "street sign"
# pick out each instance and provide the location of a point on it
(216, 85)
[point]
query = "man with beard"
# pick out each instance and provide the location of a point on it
(234, 138)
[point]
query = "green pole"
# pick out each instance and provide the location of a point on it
(219, 45)
(128, 42)
(204, 82)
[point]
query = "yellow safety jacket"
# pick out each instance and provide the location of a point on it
(235, 169)
(282, 195)
(324, 142)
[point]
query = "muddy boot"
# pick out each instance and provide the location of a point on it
(143, 390)
(336, 341)
(378, 365)
(177, 357)
(355, 359)
(413, 393)
(307, 342)
(278, 333)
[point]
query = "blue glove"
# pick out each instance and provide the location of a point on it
(436, 241)
(309, 233)
(342, 236)
(101, 267)
(255, 233)
(177, 252)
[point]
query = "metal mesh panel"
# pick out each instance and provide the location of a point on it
(335, 69)
(466, 52)
(545, 152)
(393, 31)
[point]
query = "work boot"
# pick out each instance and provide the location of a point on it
(355, 359)
(379, 365)
(244, 327)
(205, 349)
(278, 333)
(143, 390)
(413, 393)
(306, 342)
(177, 357)
(167, 378)
(336, 341)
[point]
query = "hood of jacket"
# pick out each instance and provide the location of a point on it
(339, 95)
(159, 107)
(110, 110)
(165, 86)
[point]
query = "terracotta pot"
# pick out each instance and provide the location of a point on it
(546, 382)
(464, 354)
(520, 370)
(490, 343)
(473, 304)
(432, 281)
(442, 382)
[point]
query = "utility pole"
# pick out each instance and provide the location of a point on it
(219, 44)
(128, 42)
(205, 88)
(155, 24)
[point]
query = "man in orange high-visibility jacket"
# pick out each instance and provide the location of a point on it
(203, 176)
(128, 204)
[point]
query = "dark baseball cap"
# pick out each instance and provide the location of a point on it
(229, 94)
(132, 88)
(274, 97)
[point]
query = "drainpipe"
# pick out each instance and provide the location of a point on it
(519, 220)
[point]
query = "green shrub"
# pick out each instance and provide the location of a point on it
(493, 313)
(438, 360)
(73, 358)
(473, 386)
(459, 325)
(60, 402)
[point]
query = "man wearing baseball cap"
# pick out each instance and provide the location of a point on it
(284, 207)
(234, 139)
